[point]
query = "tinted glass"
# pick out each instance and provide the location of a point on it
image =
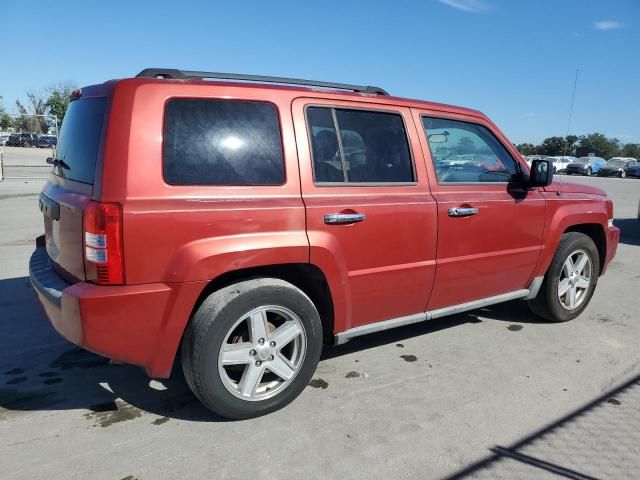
(369, 147)
(80, 139)
(465, 152)
(222, 142)
(327, 162)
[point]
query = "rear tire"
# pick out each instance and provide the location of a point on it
(230, 353)
(570, 280)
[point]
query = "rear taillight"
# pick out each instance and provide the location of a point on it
(103, 260)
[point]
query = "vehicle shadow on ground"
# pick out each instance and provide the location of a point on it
(598, 440)
(513, 312)
(629, 230)
(41, 371)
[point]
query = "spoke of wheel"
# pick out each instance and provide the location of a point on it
(285, 333)
(572, 297)
(583, 282)
(563, 286)
(281, 368)
(250, 379)
(236, 353)
(568, 267)
(581, 263)
(258, 323)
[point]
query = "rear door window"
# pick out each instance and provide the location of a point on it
(359, 146)
(222, 142)
(80, 138)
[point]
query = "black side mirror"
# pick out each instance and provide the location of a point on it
(541, 174)
(50, 161)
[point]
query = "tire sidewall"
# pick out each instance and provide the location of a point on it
(240, 301)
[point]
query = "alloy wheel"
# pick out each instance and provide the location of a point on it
(575, 279)
(262, 353)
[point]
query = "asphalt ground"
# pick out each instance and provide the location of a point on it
(493, 393)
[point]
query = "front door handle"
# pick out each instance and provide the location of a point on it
(462, 211)
(344, 218)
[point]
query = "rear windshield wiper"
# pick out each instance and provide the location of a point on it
(56, 162)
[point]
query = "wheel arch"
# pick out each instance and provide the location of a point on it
(306, 276)
(595, 231)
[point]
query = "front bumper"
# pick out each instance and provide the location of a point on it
(137, 324)
(613, 238)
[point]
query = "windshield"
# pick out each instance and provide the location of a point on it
(616, 163)
(80, 139)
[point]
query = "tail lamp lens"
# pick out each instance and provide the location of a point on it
(102, 225)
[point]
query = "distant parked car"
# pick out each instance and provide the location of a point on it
(531, 158)
(586, 166)
(560, 163)
(21, 140)
(3, 139)
(616, 167)
(46, 141)
(632, 170)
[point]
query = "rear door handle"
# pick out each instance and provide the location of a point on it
(462, 211)
(344, 218)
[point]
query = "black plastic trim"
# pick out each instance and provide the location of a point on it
(172, 73)
(44, 279)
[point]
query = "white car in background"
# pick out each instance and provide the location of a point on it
(560, 163)
(531, 158)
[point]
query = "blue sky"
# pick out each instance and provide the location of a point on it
(513, 59)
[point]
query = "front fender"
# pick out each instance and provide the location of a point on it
(564, 212)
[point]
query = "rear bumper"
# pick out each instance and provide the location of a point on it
(137, 324)
(613, 237)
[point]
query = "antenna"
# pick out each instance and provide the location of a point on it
(573, 96)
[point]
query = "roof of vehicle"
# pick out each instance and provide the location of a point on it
(269, 83)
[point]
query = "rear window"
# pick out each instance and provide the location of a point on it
(222, 142)
(80, 139)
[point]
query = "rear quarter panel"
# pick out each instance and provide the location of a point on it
(193, 233)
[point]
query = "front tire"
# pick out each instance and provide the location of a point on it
(589, 171)
(570, 280)
(252, 347)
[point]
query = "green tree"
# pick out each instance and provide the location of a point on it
(631, 150)
(58, 98)
(6, 121)
(553, 146)
(527, 148)
(570, 144)
(598, 144)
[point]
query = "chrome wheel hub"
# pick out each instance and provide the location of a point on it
(262, 353)
(575, 279)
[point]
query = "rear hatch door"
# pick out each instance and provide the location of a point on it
(71, 184)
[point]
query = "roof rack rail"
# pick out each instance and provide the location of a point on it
(172, 73)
